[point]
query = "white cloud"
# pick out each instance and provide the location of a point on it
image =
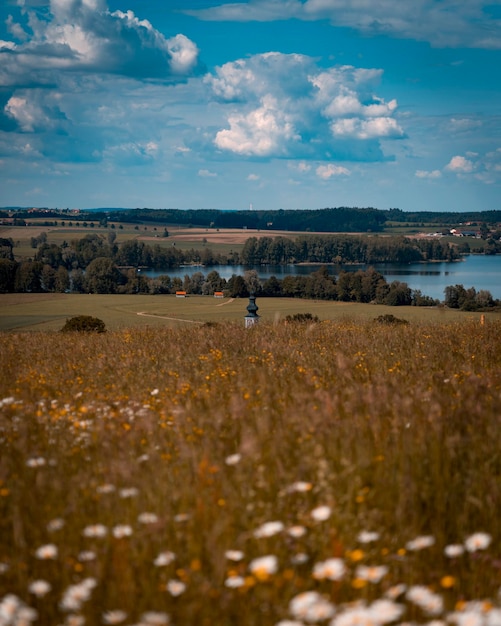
(434, 174)
(460, 165)
(184, 54)
(262, 132)
(252, 177)
(256, 76)
(24, 115)
(445, 24)
(206, 174)
(377, 128)
(32, 112)
(485, 168)
(7, 45)
(288, 107)
(262, 11)
(330, 170)
(83, 35)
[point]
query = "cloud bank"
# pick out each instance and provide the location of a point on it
(443, 23)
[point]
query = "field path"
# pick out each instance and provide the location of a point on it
(227, 302)
(164, 317)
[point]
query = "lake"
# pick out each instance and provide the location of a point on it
(475, 270)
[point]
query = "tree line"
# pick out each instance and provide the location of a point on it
(338, 219)
(341, 249)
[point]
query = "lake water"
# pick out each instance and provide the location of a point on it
(479, 271)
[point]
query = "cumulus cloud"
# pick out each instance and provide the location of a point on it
(330, 170)
(31, 113)
(460, 165)
(284, 105)
(366, 129)
(485, 168)
(445, 23)
(84, 36)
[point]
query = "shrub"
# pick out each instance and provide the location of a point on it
(302, 318)
(84, 323)
(390, 319)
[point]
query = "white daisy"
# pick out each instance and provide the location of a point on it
(477, 541)
(46, 552)
(264, 566)
(122, 530)
(420, 543)
(164, 558)
(175, 587)
(321, 513)
(268, 529)
(234, 582)
(39, 588)
(331, 569)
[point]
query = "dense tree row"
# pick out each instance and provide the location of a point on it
(344, 249)
(131, 253)
(443, 217)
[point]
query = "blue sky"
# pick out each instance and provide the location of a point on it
(292, 104)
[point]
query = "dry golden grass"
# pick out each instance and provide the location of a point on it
(191, 441)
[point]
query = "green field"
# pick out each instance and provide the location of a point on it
(41, 312)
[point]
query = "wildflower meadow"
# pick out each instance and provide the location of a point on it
(341, 473)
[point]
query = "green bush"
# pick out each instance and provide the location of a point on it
(84, 323)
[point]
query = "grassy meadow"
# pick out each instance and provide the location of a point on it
(49, 311)
(345, 473)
